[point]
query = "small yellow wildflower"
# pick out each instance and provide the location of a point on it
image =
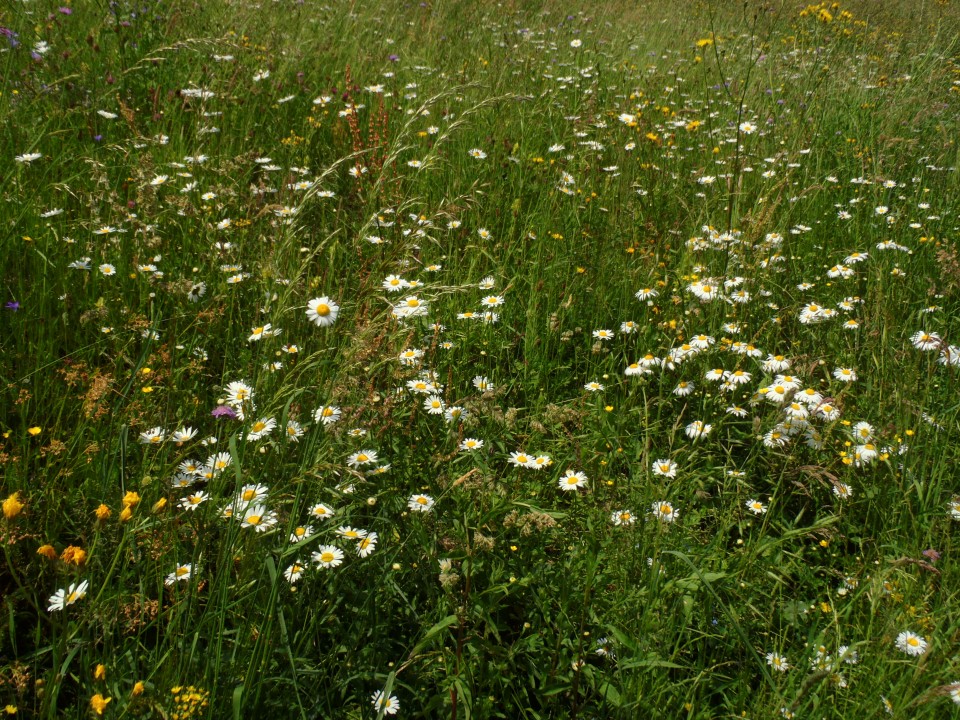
(47, 551)
(12, 506)
(98, 703)
(73, 555)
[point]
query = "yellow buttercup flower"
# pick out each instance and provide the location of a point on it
(98, 703)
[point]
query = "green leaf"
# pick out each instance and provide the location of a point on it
(610, 693)
(437, 628)
(238, 702)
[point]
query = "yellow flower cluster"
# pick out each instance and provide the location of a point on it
(188, 701)
(826, 12)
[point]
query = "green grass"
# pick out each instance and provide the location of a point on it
(758, 145)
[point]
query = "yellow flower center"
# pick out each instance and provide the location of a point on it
(254, 519)
(327, 557)
(181, 571)
(323, 309)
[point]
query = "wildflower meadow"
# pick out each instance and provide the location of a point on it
(460, 360)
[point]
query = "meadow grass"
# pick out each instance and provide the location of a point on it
(475, 360)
